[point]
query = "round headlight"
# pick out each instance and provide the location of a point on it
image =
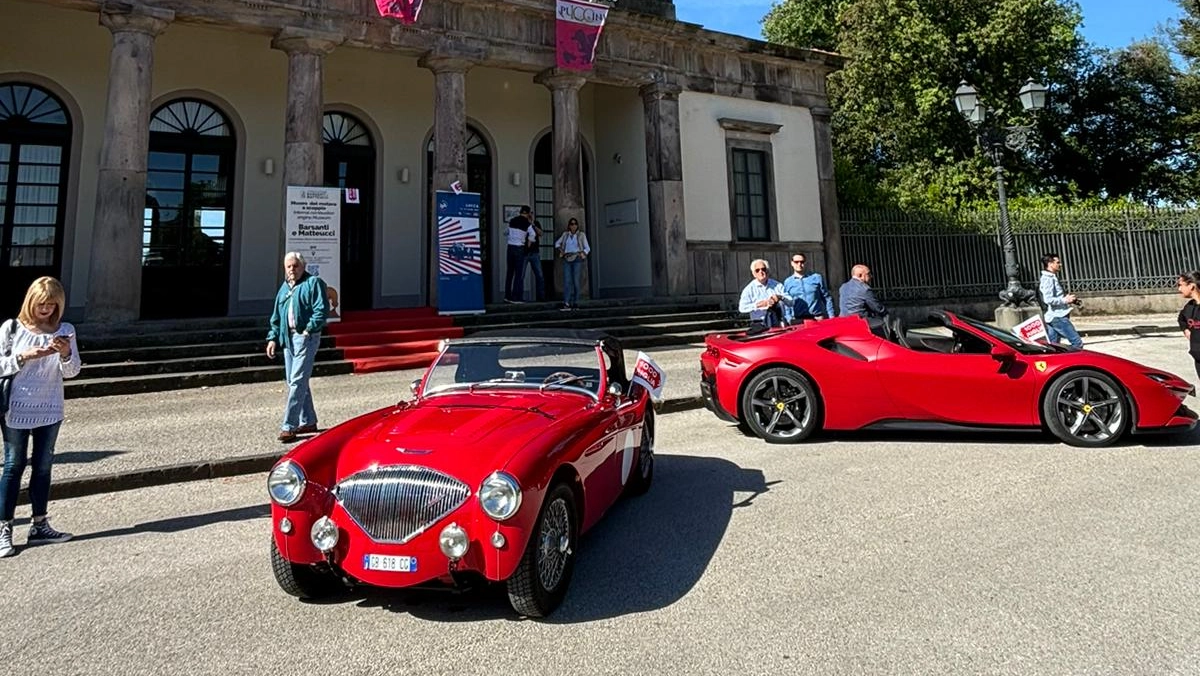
(324, 534)
(453, 541)
(285, 483)
(500, 496)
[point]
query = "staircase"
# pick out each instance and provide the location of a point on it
(158, 356)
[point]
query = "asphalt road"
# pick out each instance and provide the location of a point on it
(853, 554)
(115, 434)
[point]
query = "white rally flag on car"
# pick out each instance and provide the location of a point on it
(1031, 330)
(648, 374)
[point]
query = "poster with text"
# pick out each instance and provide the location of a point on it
(460, 256)
(313, 228)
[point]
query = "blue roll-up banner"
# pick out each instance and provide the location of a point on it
(460, 256)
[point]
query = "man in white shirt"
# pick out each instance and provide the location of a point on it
(763, 298)
(518, 235)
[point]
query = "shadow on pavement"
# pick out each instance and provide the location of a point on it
(83, 457)
(180, 523)
(645, 554)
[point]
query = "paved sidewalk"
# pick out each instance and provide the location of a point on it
(123, 442)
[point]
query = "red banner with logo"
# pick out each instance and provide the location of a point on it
(405, 10)
(578, 26)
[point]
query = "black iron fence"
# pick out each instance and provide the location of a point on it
(930, 256)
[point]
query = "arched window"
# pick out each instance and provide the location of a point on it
(341, 128)
(35, 144)
(189, 199)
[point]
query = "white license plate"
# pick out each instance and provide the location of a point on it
(395, 564)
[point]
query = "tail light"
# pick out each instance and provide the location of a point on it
(712, 352)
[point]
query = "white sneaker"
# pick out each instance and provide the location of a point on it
(6, 545)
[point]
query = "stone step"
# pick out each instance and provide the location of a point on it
(101, 387)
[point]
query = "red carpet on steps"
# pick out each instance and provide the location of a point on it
(390, 340)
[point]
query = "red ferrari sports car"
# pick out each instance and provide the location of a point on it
(846, 374)
(514, 445)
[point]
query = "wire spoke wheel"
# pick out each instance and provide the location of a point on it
(781, 406)
(554, 545)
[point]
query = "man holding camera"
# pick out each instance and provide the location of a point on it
(763, 298)
(1058, 304)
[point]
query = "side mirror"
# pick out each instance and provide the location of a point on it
(614, 389)
(415, 387)
(1003, 353)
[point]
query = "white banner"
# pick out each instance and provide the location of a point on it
(650, 376)
(313, 227)
(1031, 330)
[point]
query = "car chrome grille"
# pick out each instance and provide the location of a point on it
(395, 503)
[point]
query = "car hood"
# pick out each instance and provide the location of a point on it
(467, 436)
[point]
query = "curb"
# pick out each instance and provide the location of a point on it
(262, 462)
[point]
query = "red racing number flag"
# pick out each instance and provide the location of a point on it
(405, 10)
(577, 30)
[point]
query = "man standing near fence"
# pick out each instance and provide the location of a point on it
(1058, 304)
(856, 295)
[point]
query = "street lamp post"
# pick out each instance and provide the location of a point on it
(994, 138)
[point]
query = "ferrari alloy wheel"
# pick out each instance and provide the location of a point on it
(301, 580)
(643, 472)
(781, 406)
(1086, 408)
(540, 582)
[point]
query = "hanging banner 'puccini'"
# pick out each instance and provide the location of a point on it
(405, 10)
(577, 31)
(313, 227)
(460, 256)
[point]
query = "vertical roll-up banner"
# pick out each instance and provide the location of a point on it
(313, 228)
(460, 256)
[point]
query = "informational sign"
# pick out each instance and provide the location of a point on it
(460, 256)
(1031, 330)
(313, 228)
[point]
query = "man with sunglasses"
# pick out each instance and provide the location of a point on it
(810, 296)
(764, 298)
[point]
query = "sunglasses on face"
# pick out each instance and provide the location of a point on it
(760, 269)
(794, 260)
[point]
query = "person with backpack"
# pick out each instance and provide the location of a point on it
(39, 351)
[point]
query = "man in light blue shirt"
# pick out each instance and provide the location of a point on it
(810, 296)
(764, 298)
(1058, 304)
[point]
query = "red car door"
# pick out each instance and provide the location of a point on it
(971, 389)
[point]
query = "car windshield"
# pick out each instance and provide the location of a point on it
(541, 365)
(1008, 338)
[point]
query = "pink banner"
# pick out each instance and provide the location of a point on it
(578, 26)
(405, 10)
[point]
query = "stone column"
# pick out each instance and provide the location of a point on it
(449, 139)
(115, 271)
(664, 170)
(303, 151)
(568, 162)
(831, 231)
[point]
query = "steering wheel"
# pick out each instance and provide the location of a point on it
(559, 377)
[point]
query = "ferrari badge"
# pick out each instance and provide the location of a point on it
(1039, 365)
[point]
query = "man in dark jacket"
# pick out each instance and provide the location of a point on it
(856, 296)
(296, 323)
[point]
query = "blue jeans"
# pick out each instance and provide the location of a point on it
(571, 272)
(16, 445)
(297, 368)
(539, 281)
(1060, 328)
(514, 280)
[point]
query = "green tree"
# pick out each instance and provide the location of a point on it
(808, 23)
(894, 117)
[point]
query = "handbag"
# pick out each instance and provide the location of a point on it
(6, 381)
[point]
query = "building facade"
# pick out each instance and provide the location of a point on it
(145, 148)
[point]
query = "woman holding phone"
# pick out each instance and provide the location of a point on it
(38, 350)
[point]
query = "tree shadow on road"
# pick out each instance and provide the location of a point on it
(645, 554)
(181, 523)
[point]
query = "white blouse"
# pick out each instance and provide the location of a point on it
(37, 388)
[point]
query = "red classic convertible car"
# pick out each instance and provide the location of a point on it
(514, 445)
(846, 374)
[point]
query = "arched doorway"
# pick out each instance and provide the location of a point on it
(35, 144)
(350, 163)
(189, 205)
(479, 179)
(543, 208)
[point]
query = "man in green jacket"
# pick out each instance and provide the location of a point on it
(296, 323)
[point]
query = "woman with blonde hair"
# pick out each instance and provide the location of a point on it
(38, 350)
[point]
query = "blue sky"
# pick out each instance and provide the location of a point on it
(1107, 23)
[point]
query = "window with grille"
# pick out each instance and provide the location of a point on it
(752, 200)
